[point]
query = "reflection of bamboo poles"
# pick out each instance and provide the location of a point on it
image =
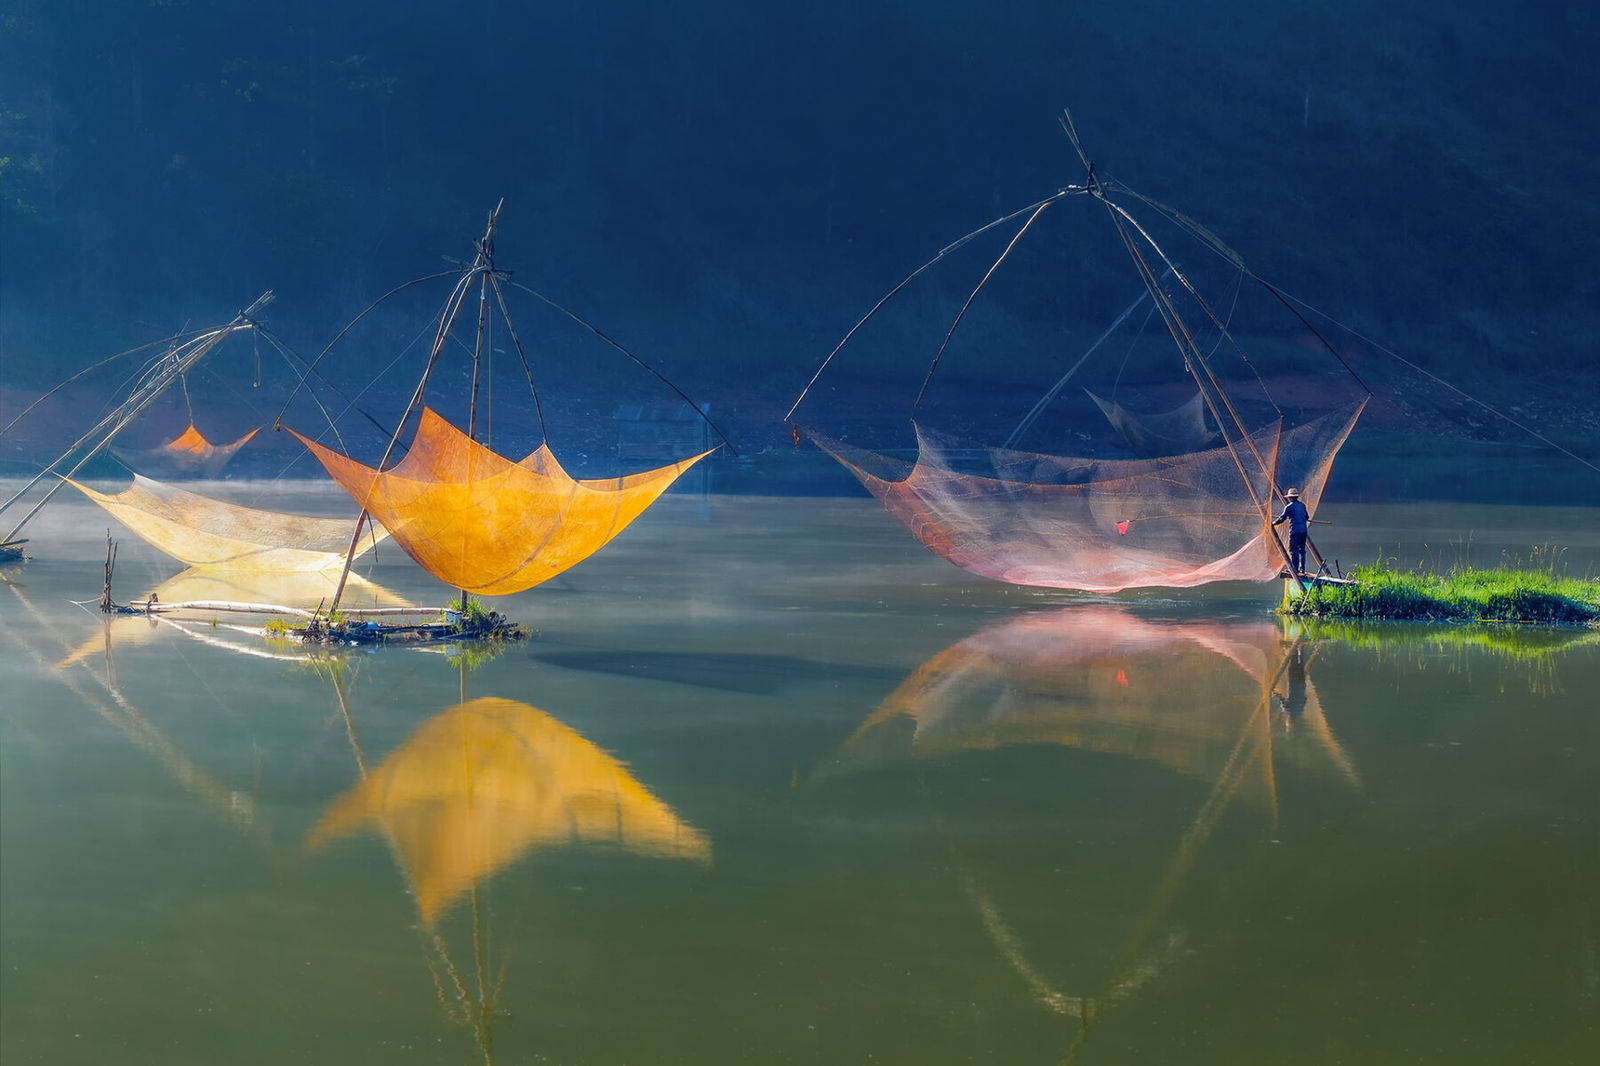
(472, 790)
(239, 807)
(1314, 720)
(1254, 746)
(217, 642)
(1135, 967)
(1250, 757)
(436, 953)
(190, 600)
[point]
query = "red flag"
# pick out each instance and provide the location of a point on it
(1122, 528)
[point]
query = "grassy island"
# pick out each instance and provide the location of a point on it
(1461, 595)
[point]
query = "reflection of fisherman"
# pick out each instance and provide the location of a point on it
(1295, 513)
(1293, 698)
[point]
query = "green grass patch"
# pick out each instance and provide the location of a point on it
(1461, 595)
(1520, 643)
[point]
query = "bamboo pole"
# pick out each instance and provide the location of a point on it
(240, 607)
(447, 318)
(141, 398)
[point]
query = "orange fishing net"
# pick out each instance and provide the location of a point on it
(202, 531)
(1103, 525)
(188, 453)
(485, 781)
(479, 521)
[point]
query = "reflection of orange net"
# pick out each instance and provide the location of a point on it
(1103, 525)
(188, 453)
(201, 531)
(490, 779)
(482, 523)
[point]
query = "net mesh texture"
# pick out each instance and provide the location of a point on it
(202, 531)
(189, 454)
(480, 522)
(1103, 525)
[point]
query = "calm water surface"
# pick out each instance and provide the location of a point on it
(773, 784)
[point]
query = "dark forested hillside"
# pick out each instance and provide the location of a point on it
(730, 185)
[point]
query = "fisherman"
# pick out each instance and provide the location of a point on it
(1295, 513)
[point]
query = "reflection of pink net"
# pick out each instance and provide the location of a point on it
(1193, 697)
(1092, 678)
(1104, 525)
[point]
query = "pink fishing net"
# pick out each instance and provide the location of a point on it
(1104, 525)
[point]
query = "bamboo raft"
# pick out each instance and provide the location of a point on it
(350, 626)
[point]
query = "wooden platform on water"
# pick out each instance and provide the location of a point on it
(1293, 589)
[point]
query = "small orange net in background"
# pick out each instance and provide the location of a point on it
(1103, 525)
(189, 454)
(485, 524)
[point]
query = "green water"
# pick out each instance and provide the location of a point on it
(774, 785)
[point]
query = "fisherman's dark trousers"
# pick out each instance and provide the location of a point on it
(1297, 551)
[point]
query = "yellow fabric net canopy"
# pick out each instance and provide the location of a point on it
(485, 524)
(189, 453)
(202, 531)
(490, 779)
